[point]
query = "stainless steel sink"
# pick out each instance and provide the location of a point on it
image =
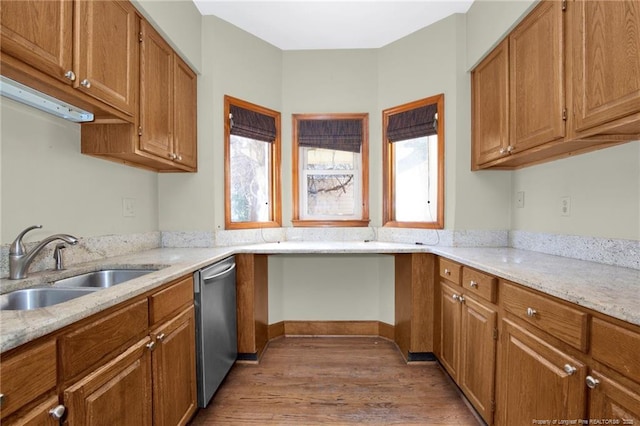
(33, 298)
(102, 279)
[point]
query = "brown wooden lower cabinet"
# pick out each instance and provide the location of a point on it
(610, 399)
(468, 345)
(414, 297)
(252, 291)
(537, 381)
(478, 355)
(119, 393)
(174, 370)
(449, 329)
(40, 415)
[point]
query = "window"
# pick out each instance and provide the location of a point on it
(330, 170)
(413, 164)
(252, 165)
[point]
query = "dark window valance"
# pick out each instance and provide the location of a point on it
(415, 123)
(252, 124)
(341, 135)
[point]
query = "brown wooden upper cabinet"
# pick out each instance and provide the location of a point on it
(64, 47)
(566, 80)
(164, 138)
(104, 57)
(167, 101)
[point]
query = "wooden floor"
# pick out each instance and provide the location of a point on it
(335, 380)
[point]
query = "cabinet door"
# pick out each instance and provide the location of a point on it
(536, 78)
(174, 370)
(490, 106)
(27, 374)
(156, 97)
(39, 34)
(449, 328)
(119, 393)
(106, 52)
(533, 381)
(185, 131)
(612, 400)
(38, 416)
(606, 61)
(478, 355)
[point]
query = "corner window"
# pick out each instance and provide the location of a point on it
(252, 165)
(413, 164)
(330, 170)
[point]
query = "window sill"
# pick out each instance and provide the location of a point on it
(251, 225)
(330, 223)
(419, 225)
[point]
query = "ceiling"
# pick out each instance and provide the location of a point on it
(307, 24)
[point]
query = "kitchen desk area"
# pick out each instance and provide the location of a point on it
(601, 299)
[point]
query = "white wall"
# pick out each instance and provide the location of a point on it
(604, 187)
(46, 180)
(317, 288)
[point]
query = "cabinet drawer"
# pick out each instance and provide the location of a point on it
(26, 375)
(479, 283)
(616, 347)
(167, 301)
(93, 343)
(450, 271)
(559, 320)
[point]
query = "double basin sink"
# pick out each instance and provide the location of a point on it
(67, 289)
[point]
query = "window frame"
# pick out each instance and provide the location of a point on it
(388, 161)
(275, 194)
(363, 169)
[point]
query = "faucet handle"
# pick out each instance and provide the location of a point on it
(17, 247)
(57, 256)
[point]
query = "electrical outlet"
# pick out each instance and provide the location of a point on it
(520, 199)
(565, 206)
(128, 207)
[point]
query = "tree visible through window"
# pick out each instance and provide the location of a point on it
(252, 162)
(330, 156)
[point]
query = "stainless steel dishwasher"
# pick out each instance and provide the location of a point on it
(216, 334)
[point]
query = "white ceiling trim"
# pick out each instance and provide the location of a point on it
(308, 25)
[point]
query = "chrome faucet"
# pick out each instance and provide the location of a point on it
(19, 259)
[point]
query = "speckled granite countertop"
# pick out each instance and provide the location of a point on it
(611, 290)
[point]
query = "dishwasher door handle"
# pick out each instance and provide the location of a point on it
(216, 276)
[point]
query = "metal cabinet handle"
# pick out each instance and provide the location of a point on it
(502, 150)
(160, 337)
(447, 272)
(473, 284)
(171, 155)
(461, 299)
(569, 369)
(455, 297)
(70, 75)
(592, 382)
(151, 345)
(86, 83)
(509, 149)
(531, 312)
(57, 412)
(1, 400)
(179, 157)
